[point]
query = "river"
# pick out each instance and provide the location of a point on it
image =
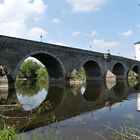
(79, 112)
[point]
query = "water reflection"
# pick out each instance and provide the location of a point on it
(3, 89)
(30, 94)
(60, 102)
(138, 102)
(92, 90)
(75, 89)
(119, 88)
(31, 102)
(83, 89)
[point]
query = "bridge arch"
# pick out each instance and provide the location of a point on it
(136, 69)
(92, 70)
(54, 66)
(118, 69)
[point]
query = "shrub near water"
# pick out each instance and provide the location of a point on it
(8, 133)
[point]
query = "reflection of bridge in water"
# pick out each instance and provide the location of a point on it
(63, 102)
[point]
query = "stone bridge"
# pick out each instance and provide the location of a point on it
(60, 60)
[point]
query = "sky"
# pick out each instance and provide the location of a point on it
(96, 25)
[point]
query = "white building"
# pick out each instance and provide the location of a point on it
(138, 101)
(137, 50)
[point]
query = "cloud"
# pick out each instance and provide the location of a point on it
(76, 33)
(86, 5)
(56, 20)
(92, 34)
(97, 43)
(58, 43)
(15, 16)
(36, 33)
(126, 33)
(130, 116)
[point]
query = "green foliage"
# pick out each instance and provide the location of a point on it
(42, 74)
(132, 75)
(82, 74)
(28, 69)
(36, 75)
(8, 133)
(27, 87)
(30, 87)
(79, 75)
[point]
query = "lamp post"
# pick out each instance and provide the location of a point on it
(41, 38)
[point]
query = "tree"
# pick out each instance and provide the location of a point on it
(28, 69)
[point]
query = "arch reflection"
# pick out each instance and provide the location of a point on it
(38, 96)
(92, 90)
(31, 93)
(3, 89)
(62, 103)
(119, 88)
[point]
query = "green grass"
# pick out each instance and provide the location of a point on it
(8, 133)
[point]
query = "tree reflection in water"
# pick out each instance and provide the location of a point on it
(31, 93)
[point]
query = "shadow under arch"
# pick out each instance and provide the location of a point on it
(54, 66)
(92, 70)
(120, 88)
(56, 96)
(92, 91)
(136, 69)
(118, 69)
(44, 113)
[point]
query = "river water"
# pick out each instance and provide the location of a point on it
(91, 111)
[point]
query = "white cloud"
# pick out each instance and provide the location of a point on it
(76, 33)
(126, 33)
(58, 43)
(97, 43)
(86, 5)
(92, 34)
(56, 20)
(15, 15)
(36, 33)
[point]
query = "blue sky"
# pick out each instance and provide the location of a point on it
(101, 24)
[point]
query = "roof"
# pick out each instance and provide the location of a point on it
(137, 42)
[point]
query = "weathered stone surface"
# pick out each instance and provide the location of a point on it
(60, 60)
(110, 75)
(110, 79)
